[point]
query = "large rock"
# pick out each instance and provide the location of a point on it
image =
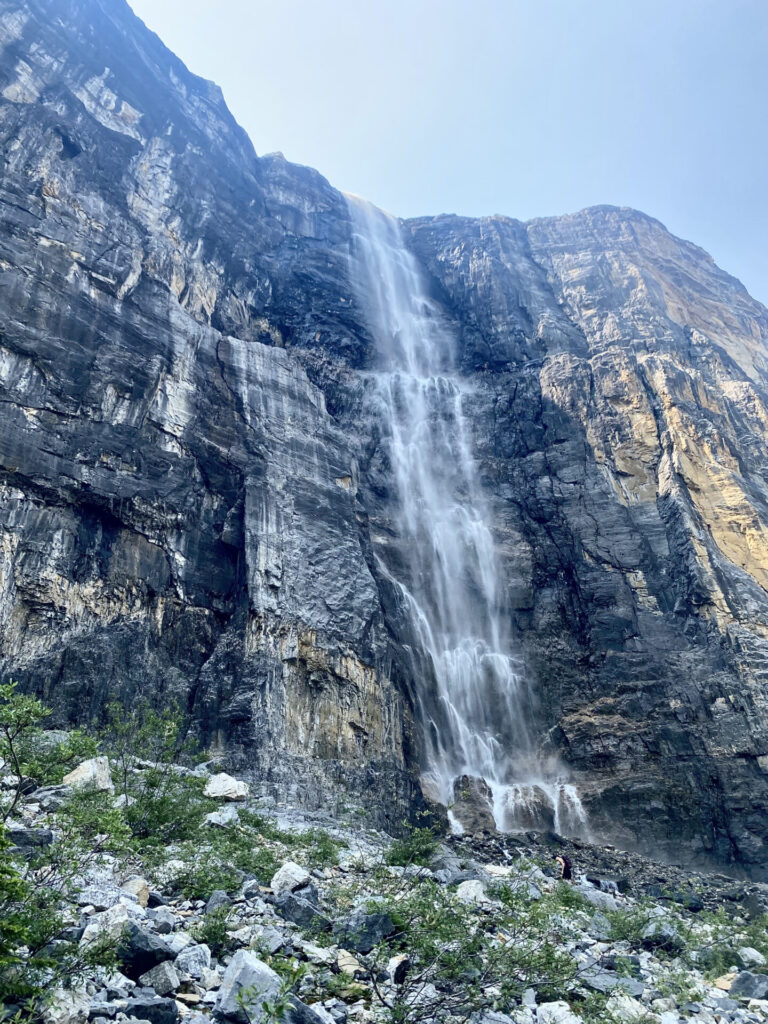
(107, 926)
(93, 775)
(362, 930)
(749, 986)
(247, 983)
(289, 877)
(194, 960)
(138, 887)
(748, 956)
(139, 950)
(163, 978)
(224, 787)
(302, 911)
(155, 1009)
(29, 841)
(662, 935)
(556, 1013)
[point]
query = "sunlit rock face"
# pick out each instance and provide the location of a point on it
(197, 500)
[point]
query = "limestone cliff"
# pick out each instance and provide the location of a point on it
(195, 498)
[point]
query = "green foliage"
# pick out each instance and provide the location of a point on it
(267, 830)
(272, 1011)
(220, 860)
(677, 982)
(48, 762)
(213, 931)
(418, 847)
(163, 803)
(34, 955)
(628, 924)
(321, 849)
(203, 873)
(569, 898)
(475, 959)
(20, 715)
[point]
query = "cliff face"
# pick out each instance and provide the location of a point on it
(196, 502)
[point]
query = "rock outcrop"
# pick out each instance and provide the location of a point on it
(195, 496)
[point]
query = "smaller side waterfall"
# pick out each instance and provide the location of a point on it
(475, 716)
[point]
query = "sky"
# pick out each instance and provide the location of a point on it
(527, 108)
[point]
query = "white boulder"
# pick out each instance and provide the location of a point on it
(93, 775)
(289, 877)
(247, 984)
(557, 1013)
(224, 787)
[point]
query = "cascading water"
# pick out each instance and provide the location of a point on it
(475, 722)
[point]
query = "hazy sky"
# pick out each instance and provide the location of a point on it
(522, 107)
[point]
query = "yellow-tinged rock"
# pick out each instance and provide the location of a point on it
(139, 888)
(725, 981)
(347, 963)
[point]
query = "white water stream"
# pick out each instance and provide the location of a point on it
(476, 722)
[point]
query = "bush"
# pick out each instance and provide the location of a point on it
(212, 930)
(20, 716)
(322, 849)
(418, 847)
(48, 762)
(36, 954)
(163, 802)
(476, 961)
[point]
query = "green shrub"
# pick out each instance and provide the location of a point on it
(267, 829)
(163, 803)
(48, 762)
(418, 847)
(322, 849)
(477, 961)
(628, 924)
(20, 716)
(212, 930)
(204, 872)
(35, 956)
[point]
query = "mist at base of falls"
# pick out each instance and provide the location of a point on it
(476, 714)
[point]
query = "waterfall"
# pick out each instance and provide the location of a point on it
(475, 715)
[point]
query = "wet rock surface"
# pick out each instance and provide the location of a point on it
(195, 496)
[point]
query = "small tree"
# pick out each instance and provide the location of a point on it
(162, 802)
(20, 716)
(35, 893)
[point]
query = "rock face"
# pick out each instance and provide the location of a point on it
(195, 497)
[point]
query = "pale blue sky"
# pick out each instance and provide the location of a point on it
(522, 107)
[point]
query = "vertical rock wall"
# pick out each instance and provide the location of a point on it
(195, 496)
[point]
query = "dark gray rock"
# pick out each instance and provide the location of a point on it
(218, 900)
(747, 985)
(139, 950)
(29, 841)
(153, 1008)
(664, 935)
(299, 1013)
(164, 919)
(607, 981)
(163, 978)
(51, 798)
(361, 931)
(145, 1006)
(303, 912)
